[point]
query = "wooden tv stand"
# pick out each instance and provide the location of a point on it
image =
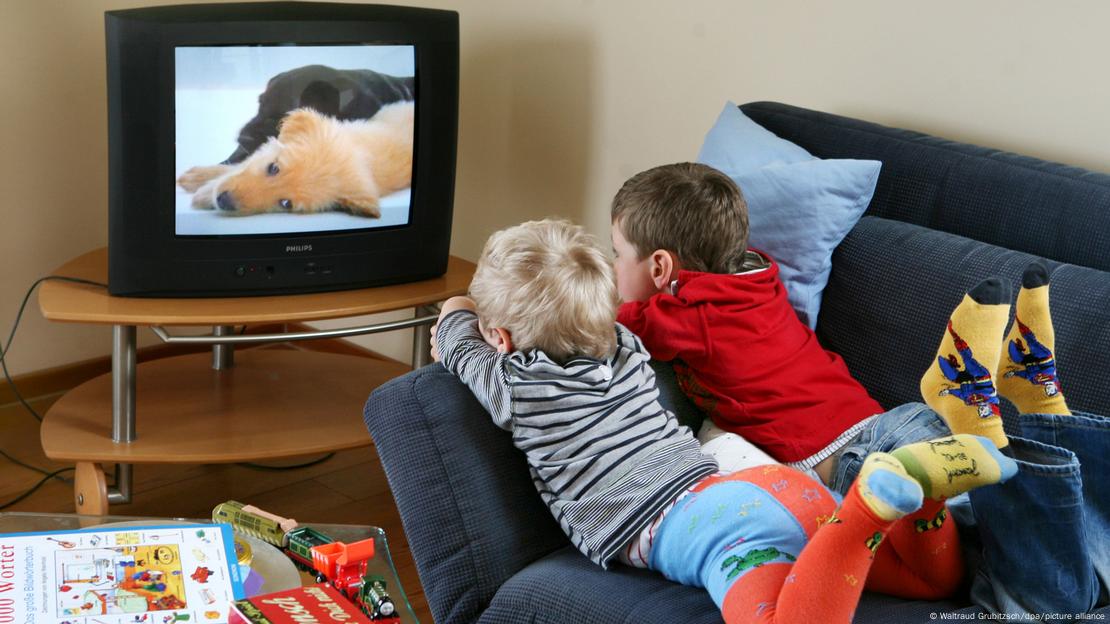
(227, 406)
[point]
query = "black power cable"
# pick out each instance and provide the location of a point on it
(7, 376)
(293, 467)
(15, 326)
(34, 488)
(4, 366)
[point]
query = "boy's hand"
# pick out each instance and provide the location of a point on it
(449, 306)
(435, 349)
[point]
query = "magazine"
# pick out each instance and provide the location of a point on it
(115, 575)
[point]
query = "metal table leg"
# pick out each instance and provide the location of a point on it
(123, 383)
(422, 338)
(123, 404)
(90, 492)
(223, 355)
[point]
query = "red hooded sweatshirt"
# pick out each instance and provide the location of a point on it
(744, 358)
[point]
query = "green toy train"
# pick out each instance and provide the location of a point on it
(255, 522)
(374, 600)
(339, 564)
(301, 540)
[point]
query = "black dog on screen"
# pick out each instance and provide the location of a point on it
(344, 94)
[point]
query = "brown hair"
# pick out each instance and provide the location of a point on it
(551, 286)
(689, 209)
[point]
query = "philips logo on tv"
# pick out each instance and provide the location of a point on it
(297, 248)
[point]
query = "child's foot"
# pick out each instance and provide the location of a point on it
(886, 488)
(950, 466)
(1027, 368)
(959, 386)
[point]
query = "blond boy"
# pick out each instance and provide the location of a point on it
(538, 345)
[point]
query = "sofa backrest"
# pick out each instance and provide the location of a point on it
(1046, 209)
(893, 286)
(466, 499)
(946, 215)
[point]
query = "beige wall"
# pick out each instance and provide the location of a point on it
(562, 100)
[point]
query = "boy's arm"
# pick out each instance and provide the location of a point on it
(463, 352)
(668, 328)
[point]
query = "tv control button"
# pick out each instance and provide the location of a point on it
(240, 271)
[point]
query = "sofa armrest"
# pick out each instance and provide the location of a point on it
(469, 509)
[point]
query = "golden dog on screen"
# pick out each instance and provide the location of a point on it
(315, 163)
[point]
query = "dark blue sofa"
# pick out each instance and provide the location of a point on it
(944, 216)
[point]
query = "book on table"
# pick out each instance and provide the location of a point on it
(174, 572)
(302, 605)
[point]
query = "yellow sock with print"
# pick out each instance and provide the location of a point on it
(959, 384)
(950, 466)
(886, 488)
(1027, 366)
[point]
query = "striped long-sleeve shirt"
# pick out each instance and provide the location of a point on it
(604, 455)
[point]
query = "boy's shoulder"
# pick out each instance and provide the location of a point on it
(534, 364)
(628, 340)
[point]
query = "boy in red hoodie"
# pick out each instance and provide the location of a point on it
(699, 297)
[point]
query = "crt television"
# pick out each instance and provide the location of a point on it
(269, 148)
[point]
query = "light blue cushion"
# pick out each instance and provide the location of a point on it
(737, 144)
(800, 207)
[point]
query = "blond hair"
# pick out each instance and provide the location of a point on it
(690, 209)
(551, 286)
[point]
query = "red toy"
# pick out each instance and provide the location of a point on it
(343, 564)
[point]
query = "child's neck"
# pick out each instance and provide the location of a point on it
(751, 262)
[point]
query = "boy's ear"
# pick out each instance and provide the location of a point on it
(664, 269)
(504, 339)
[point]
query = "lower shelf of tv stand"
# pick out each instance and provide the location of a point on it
(272, 404)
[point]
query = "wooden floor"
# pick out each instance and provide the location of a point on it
(349, 488)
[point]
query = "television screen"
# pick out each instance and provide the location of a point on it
(279, 139)
(263, 148)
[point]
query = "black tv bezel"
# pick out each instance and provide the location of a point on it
(146, 257)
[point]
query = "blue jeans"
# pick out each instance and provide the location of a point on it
(1046, 532)
(1060, 496)
(905, 424)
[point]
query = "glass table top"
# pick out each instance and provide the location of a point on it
(267, 559)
